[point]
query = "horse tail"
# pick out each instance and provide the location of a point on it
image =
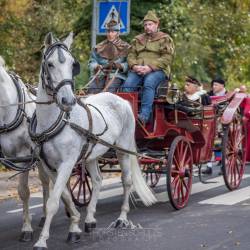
(139, 183)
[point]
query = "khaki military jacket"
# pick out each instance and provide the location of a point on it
(107, 52)
(154, 50)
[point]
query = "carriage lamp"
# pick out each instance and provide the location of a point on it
(173, 94)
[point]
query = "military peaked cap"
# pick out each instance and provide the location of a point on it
(151, 16)
(113, 25)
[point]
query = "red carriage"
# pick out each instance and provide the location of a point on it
(174, 141)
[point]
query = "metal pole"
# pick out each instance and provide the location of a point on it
(93, 29)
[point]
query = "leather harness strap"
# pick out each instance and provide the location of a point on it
(10, 161)
(20, 110)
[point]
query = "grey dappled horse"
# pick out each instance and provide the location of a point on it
(15, 140)
(112, 118)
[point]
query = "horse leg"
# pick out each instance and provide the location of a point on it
(124, 161)
(74, 230)
(64, 172)
(24, 194)
(96, 179)
(45, 185)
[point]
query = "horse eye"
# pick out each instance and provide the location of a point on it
(50, 65)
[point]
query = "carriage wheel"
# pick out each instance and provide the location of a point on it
(80, 186)
(179, 172)
(153, 178)
(234, 152)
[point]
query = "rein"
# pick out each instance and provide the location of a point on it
(97, 140)
(21, 103)
(110, 81)
(92, 79)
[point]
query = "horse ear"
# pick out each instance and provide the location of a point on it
(49, 39)
(2, 62)
(68, 40)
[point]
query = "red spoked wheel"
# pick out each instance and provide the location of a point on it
(234, 152)
(80, 186)
(179, 172)
(153, 178)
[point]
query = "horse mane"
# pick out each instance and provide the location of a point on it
(2, 62)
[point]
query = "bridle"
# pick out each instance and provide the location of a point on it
(47, 81)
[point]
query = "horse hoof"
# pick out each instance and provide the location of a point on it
(73, 237)
(42, 221)
(89, 227)
(121, 224)
(40, 248)
(26, 236)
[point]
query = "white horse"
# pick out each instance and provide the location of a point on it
(15, 140)
(112, 118)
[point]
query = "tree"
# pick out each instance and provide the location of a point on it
(212, 38)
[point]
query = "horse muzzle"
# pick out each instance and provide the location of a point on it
(66, 104)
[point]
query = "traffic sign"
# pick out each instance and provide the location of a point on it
(118, 10)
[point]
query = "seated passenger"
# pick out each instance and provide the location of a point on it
(218, 87)
(149, 60)
(108, 56)
(194, 92)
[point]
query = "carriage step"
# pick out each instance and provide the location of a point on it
(152, 153)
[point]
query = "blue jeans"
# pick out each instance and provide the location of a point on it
(150, 82)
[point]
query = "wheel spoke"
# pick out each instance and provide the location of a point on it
(84, 193)
(179, 191)
(184, 156)
(76, 183)
(182, 192)
(176, 163)
(185, 185)
(79, 190)
(175, 172)
(176, 187)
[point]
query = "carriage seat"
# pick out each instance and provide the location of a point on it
(190, 111)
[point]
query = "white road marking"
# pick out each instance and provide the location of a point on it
(196, 188)
(199, 187)
(230, 198)
(162, 196)
(105, 182)
(20, 209)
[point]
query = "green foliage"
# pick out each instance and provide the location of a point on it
(212, 38)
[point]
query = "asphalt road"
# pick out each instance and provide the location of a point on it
(214, 219)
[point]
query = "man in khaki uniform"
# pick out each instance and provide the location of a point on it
(149, 61)
(109, 56)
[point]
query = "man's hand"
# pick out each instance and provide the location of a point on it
(145, 70)
(98, 67)
(142, 70)
(136, 68)
(117, 66)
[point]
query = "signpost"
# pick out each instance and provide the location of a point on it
(104, 10)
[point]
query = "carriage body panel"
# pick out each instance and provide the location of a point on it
(173, 141)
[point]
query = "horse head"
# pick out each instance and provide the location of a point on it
(58, 70)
